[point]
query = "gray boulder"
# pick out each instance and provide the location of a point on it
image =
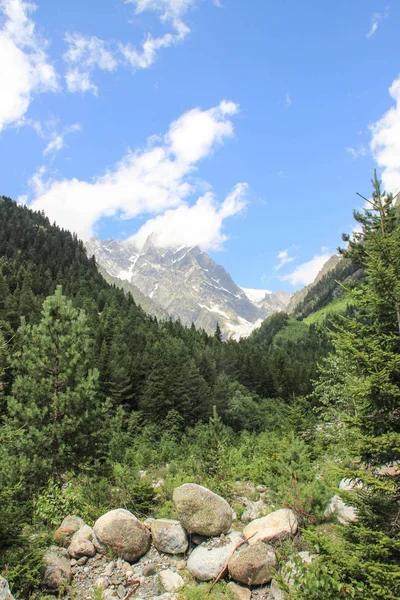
(123, 533)
(169, 536)
(5, 593)
(207, 560)
(201, 511)
(57, 571)
(253, 565)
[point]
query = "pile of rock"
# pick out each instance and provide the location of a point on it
(158, 554)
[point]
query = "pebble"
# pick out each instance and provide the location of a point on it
(121, 591)
(109, 569)
(149, 569)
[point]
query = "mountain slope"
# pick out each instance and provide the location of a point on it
(187, 284)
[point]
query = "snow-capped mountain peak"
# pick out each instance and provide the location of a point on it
(188, 285)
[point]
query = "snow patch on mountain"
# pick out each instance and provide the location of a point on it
(254, 295)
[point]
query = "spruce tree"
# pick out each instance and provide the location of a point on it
(369, 347)
(54, 420)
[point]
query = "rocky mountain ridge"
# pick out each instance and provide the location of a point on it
(185, 283)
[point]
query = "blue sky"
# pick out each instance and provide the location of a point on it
(244, 126)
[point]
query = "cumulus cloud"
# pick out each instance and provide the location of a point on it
(197, 225)
(375, 21)
(305, 273)
(24, 66)
(84, 54)
(149, 181)
(283, 258)
(385, 141)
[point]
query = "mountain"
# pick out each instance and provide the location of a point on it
(187, 284)
(328, 285)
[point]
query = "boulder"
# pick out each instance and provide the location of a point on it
(239, 592)
(68, 527)
(278, 524)
(87, 533)
(5, 593)
(207, 560)
(171, 581)
(169, 536)
(57, 571)
(123, 533)
(253, 565)
(79, 548)
(345, 513)
(201, 511)
(253, 510)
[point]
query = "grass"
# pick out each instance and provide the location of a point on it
(336, 307)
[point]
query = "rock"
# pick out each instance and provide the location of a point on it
(142, 474)
(82, 561)
(238, 591)
(123, 533)
(345, 513)
(79, 548)
(149, 569)
(5, 593)
(253, 510)
(171, 582)
(275, 593)
(102, 582)
(253, 565)
(157, 483)
(121, 591)
(68, 527)
(57, 572)
(350, 484)
(201, 511)
(148, 522)
(207, 560)
(278, 524)
(181, 565)
(169, 536)
(198, 539)
(108, 571)
(86, 533)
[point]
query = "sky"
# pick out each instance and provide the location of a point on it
(243, 126)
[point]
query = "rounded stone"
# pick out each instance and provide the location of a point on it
(253, 565)
(169, 536)
(207, 560)
(123, 533)
(202, 511)
(278, 524)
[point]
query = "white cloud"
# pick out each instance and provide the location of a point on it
(356, 152)
(385, 142)
(375, 21)
(305, 273)
(284, 258)
(288, 100)
(57, 140)
(84, 54)
(24, 66)
(197, 225)
(146, 181)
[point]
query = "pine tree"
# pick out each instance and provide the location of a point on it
(369, 347)
(54, 419)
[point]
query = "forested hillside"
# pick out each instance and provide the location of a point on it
(93, 391)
